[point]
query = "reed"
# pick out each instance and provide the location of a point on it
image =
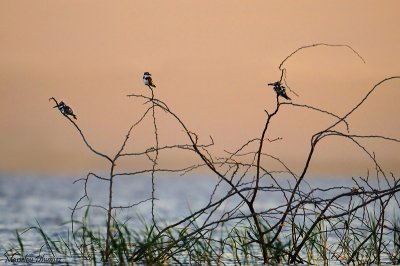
(309, 225)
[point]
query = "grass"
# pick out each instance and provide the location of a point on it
(191, 244)
(303, 228)
(395, 255)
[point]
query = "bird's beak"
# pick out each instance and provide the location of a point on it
(55, 106)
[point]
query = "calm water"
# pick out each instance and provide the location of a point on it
(31, 200)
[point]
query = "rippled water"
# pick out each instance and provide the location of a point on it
(46, 200)
(29, 200)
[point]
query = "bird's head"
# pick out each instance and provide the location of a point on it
(274, 84)
(147, 74)
(59, 104)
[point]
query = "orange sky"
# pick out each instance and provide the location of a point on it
(211, 61)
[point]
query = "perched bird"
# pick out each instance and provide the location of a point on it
(279, 89)
(148, 81)
(66, 110)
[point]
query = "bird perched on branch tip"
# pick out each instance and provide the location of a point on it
(65, 109)
(148, 81)
(279, 89)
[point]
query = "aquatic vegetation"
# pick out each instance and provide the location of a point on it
(314, 225)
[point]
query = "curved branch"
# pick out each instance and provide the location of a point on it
(84, 138)
(362, 101)
(320, 44)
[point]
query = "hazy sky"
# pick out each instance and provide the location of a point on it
(211, 61)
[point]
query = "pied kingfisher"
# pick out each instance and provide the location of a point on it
(148, 81)
(65, 110)
(279, 89)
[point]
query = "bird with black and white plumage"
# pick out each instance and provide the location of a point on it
(279, 89)
(65, 109)
(148, 81)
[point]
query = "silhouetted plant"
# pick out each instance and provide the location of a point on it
(299, 229)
